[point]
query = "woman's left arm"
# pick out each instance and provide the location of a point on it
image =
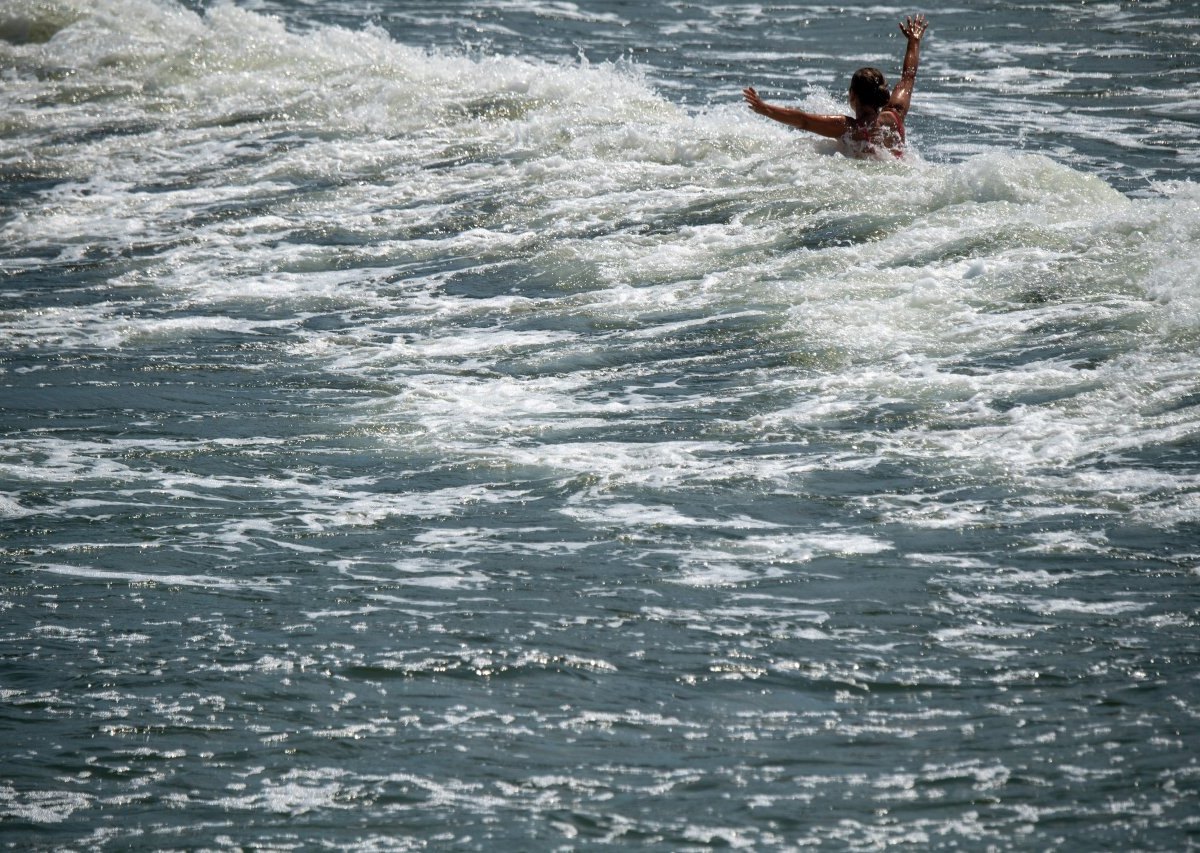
(832, 126)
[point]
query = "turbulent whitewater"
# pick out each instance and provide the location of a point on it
(464, 426)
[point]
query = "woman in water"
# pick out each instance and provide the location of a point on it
(878, 124)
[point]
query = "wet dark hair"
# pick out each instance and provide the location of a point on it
(870, 88)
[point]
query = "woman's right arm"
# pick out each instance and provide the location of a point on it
(823, 125)
(914, 29)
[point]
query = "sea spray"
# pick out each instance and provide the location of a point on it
(467, 426)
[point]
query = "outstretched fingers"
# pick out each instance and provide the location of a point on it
(914, 26)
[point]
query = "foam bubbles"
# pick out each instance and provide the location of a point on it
(380, 413)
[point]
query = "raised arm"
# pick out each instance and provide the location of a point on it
(824, 125)
(914, 28)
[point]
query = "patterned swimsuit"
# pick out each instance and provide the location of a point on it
(864, 138)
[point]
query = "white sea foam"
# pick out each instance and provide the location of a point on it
(896, 314)
(42, 807)
(548, 317)
(136, 578)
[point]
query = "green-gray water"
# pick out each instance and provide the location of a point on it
(465, 426)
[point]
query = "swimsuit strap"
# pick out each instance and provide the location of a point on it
(899, 120)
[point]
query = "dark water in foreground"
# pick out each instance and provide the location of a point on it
(444, 426)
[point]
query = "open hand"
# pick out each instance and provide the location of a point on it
(914, 26)
(756, 103)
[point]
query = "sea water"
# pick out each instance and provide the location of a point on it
(465, 426)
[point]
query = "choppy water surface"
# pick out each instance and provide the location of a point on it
(453, 426)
